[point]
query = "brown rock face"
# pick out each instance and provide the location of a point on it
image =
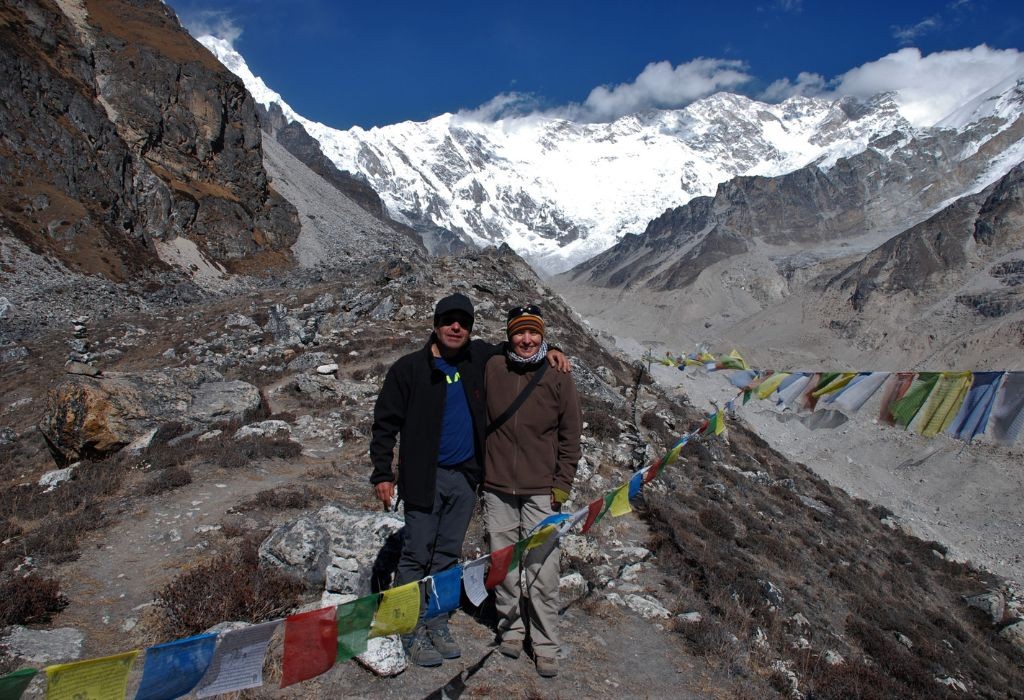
(84, 420)
(91, 417)
(116, 127)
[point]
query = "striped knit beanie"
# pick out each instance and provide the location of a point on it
(523, 318)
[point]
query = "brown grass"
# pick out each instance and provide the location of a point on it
(231, 587)
(29, 599)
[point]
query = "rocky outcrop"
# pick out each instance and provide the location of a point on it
(117, 129)
(899, 180)
(92, 417)
(937, 256)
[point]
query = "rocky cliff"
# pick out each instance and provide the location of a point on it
(119, 134)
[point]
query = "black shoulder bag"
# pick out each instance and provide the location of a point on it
(534, 381)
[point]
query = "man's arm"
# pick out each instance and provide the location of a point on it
(388, 419)
(556, 358)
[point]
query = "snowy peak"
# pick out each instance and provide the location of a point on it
(559, 192)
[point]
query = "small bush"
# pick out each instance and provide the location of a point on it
(230, 587)
(278, 499)
(167, 480)
(717, 521)
(31, 598)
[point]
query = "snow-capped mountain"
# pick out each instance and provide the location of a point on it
(559, 192)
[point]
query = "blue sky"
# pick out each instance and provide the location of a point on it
(375, 63)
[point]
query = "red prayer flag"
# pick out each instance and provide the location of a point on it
(652, 471)
(310, 645)
(593, 510)
(501, 559)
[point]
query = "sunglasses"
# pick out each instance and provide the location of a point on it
(447, 319)
(531, 309)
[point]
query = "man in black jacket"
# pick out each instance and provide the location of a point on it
(434, 399)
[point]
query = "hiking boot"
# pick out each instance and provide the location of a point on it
(547, 666)
(511, 648)
(441, 637)
(419, 649)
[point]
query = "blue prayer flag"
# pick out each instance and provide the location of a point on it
(636, 482)
(172, 669)
(445, 592)
(552, 519)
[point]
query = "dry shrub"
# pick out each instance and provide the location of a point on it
(717, 521)
(31, 598)
(280, 499)
(706, 638)
(854, 679)
(167, 480)
(231, 587)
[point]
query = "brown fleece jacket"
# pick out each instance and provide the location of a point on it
(537, 448)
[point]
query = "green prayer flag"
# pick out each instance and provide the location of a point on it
(354, 620)
(13, 684)
(904, 410)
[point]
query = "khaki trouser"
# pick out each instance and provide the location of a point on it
(508, 519)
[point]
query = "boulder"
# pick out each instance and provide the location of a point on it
(348, 551)
(1014, 634)
(267, 428)
(646, 606)
(42, 646)
(96, 416)
(571, 587)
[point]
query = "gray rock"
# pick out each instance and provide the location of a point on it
(329, 369)
(300, 548)
(309, 360)
(384, 656)
(992, 603)
(318, 387)
(52, 478)
(240, 321)
(384, 310)
(13, 354)
(692, 618)
(82, 369)
(571, 587)
(1014, 634)
(267, 428)
(646, 607)
(43, 646)
(335, 546)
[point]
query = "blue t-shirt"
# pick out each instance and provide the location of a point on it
(457, 424)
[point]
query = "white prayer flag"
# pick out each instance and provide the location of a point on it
(238, 661)
(473, 580)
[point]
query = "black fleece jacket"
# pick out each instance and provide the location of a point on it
(411, 403)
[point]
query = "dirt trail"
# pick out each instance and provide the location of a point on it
(123, 565)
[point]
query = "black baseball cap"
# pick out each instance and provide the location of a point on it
(453, 302)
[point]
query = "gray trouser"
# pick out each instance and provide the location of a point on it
(432, 539)
(508, 519)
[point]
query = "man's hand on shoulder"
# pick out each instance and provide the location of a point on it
(559, 360)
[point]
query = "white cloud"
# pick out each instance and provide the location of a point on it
(659, 86)
(507, 104)
(807, 84)
(908, 35)
(927, 88)
(930, 87)
(216, 23)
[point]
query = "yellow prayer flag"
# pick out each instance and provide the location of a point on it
(673, 455)
(540, 537)
(835, 385)
(398, 612)
(769, 385)
(942, 406)
(620, 502)
(96, 678)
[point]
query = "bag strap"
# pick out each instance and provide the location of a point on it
(534, 381)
